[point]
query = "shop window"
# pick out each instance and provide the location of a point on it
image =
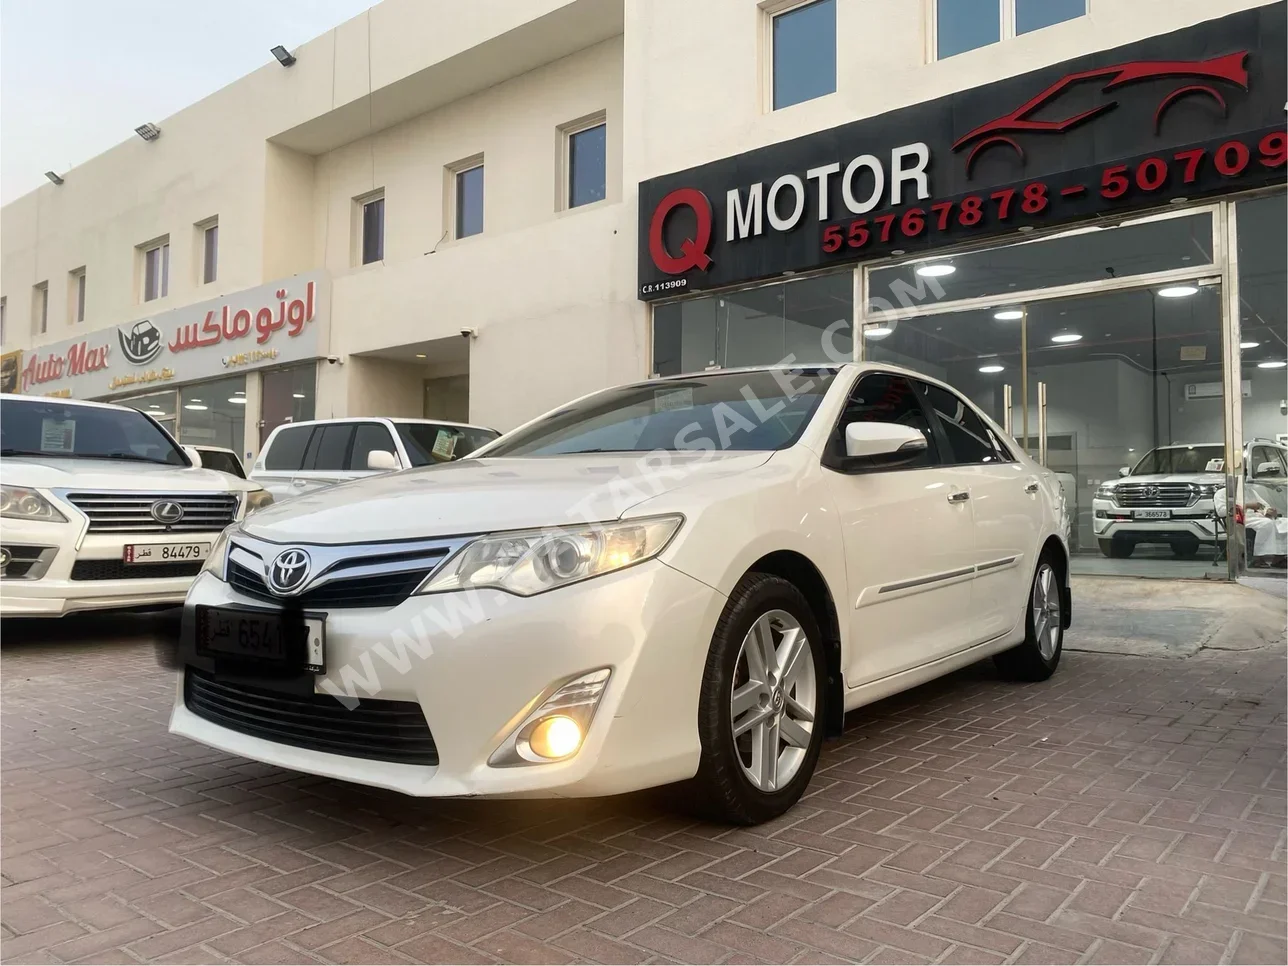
(587, 164)
(962, 25)
(468, 200)
(286, 395)
(804, 53)
(209, 232)
(214, 413)
(76, 296)
(161, 406)
(156, 269)
(372, 228)
(40, 308)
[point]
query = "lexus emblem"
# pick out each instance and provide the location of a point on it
(167, 512)
(1152, 492)
(289, 571)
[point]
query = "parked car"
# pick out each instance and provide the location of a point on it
(217, 458)
(1167, 497)
(302, 457)
(686, 579)
(102, 508)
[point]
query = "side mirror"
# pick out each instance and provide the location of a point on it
(193, 455)
(383, 460)
(1124, 471)
(882, 444)
(1272, 468)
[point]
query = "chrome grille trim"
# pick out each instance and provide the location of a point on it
(1168, 494)
(131, 512)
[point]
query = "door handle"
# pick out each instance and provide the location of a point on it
(959, 496)
(1031, 486)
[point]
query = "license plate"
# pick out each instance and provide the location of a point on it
(146, 553)
(1153, 514)
(263, 637)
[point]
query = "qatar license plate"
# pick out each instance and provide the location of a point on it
(146, 553)
(263, 636)
(1153, 514)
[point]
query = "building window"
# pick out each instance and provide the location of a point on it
(804, 41)
(587, 164)
(4, 312)
(40, 308)
(209, 250)
(76, 295)
(469, 201)
(373, 229)
(962, 25)
(156, 270)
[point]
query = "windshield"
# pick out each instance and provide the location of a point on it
(56, 430)
(430, 443)
(759, 410)
(1181, 459)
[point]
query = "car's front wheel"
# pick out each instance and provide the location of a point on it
(761, 710)
(1038, 656)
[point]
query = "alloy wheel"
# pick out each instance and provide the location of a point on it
(1046, 611)
(774, 700)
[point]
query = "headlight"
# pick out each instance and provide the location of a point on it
(218, 554)
(1206, 490)
(527, 562)
(1106, 491)
(257, 500)
(19, 503)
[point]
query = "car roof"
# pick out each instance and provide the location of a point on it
(88, 404)
(383, 419)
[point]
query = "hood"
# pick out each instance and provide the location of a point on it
(1199, 478)
(483, 495)
(81, 474)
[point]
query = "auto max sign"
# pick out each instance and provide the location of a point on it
(279, 322)
(1193, 113)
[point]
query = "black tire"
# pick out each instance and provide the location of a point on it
(1106, 548)
(1185, 549)
(1026, 661)
(721, 791)
(1120, 548)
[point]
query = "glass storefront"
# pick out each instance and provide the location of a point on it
(214, 414)
(287, 395)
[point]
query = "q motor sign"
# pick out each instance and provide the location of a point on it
(1177, 117)
(280, 322)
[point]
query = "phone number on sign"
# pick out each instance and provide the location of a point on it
(1229, 160)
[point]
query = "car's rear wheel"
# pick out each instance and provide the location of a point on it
(761, 710)
(1038, 656)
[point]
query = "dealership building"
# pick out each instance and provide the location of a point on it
(1071, 210)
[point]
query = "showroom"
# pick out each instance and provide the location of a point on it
(1093, 253)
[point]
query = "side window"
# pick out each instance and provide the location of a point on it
(368, 437)
(287, 449)
(968, 437)
(329, 448)
(1266, 454)
(882, 397)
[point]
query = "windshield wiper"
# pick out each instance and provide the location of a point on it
(132, 457)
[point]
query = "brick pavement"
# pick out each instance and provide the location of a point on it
(1130, 810)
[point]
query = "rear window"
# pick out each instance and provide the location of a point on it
(431, 443)
(287, 449)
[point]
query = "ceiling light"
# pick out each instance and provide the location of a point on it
(149, 132)
(420, 355)
(1273, 364)
(53, 177)
(877, 332)
(992, 368)
(284, 56)
(239, 392)
(1066, 337)
(299, 395)
(936, 270)
(196, 407)
(1248, 345)
(236, 400)
(1009, 315)
(1178, 291)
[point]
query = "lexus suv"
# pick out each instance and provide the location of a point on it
(103, 509)
(689, 579)
(1167, 497)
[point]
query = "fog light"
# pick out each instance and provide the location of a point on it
(555, 737)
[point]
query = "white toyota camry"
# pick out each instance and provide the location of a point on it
(689, 579)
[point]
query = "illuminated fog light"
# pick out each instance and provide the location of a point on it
(1009, 315)
(555, 737)
(936, 270)
(1178, 291)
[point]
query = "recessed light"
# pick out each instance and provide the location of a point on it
(992, 368)
(1273, 364)
(1066, 337)
(299, 395)
(1009, 315)
(237, 400)
(1025, 228)
(239, 392)
(898, 251)
(196, 407)
(1178, 201)
(1248, 345)
(936, 271)
(1178, 291)
(877, 332)
(420, 355)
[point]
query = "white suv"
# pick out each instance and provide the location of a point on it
(1166, 498)
(302, 457)
(102, 508)
(686, 579)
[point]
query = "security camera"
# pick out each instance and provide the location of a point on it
(469, 333)
(1283, 407)
(333, 360)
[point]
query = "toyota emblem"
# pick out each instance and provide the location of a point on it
(167, 512)
(1152, 492)
(289, 571)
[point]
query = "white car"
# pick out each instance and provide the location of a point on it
(687, 579)
(102, 508)
(302, 457)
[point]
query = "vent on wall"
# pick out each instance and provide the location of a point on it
(1212, 390)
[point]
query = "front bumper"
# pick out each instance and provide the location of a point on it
(486, 661)
(1110, 520)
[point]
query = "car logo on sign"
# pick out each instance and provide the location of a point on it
(289, 571)
(167, 512)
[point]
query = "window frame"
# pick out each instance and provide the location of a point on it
(162, 247)
(208, 269)
(452, 192)
(857, 466)
(360, 205)
(771, 11)
(563, 198)
(40, 308)
(1006, 28)
(941, 433)
(76, 296)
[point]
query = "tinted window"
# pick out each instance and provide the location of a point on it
(430, 443)
(373, 231)
(969, 438)
(469, 202)
(287, 449)
(967, 24)
(329, 448)
(1036, 14)
(587, 169)
(757, 410)
(56, 430)
(223, 462)
(368, 437)
(1267, 454)
(804, 53)
(881, 397)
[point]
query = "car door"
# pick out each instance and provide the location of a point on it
(908, 540)
(326, 458)
(1005, 502)
(282, 459)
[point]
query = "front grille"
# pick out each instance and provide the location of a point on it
(132, 512)
(1156, 494)
(380, 730)
(375, 590)
(116, 570)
